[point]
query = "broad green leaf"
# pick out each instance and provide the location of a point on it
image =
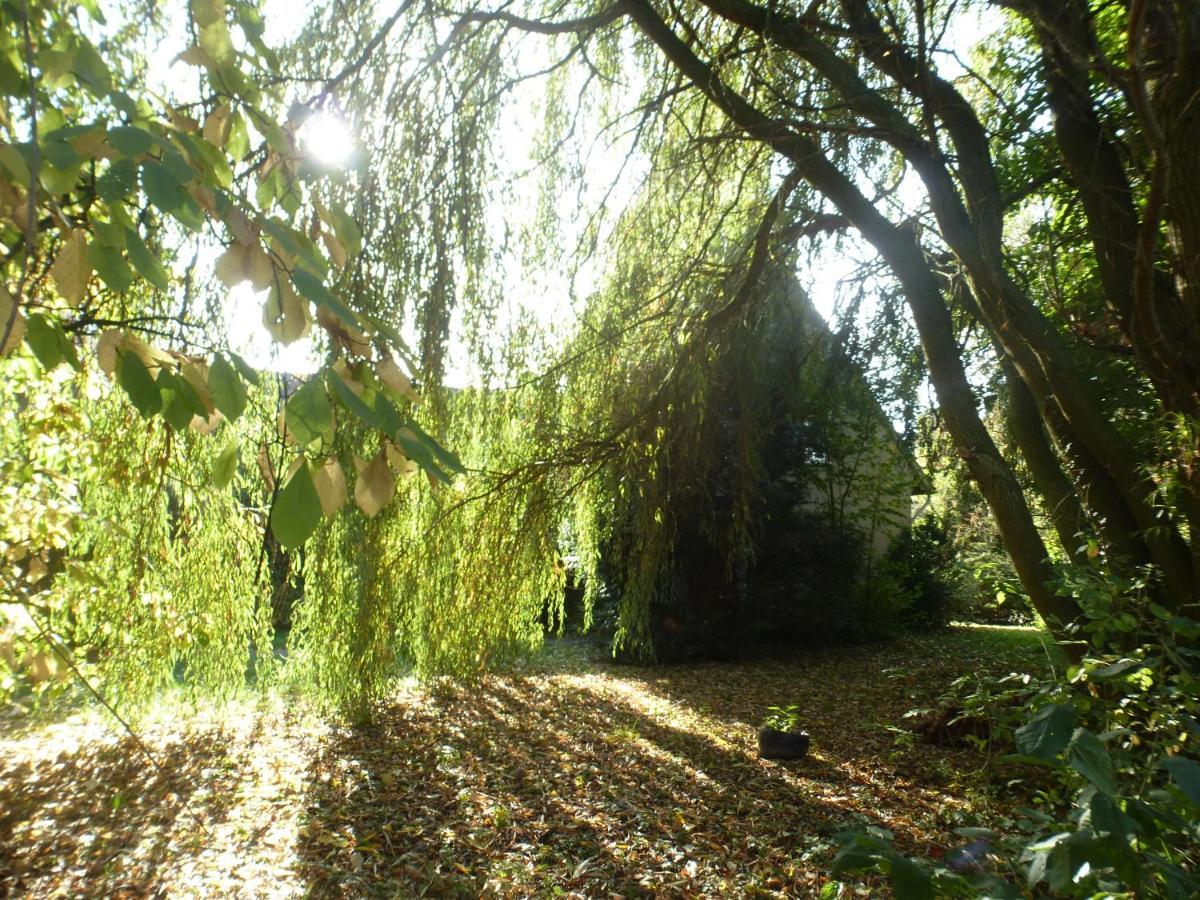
(167, 192)
(91, 68)
(308, 413)
(13, 162)
(175, 409)
(911, 880)
(420, 453)
(343, 226)
(129, 140)
(110, 234)
(445, 457)
(1048, 732)
(118, 181)
(1090, 758)
(1186, 774)
(177, 166)
(147, 264)
(244, 368)
(110, 266)
(297, 510)
(50, 343)
(225, 466)
(60, 153)
(226, 389)
(353, 402)
(311, 287)
(58, 181)
(133, 375)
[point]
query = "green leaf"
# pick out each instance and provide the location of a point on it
(297, 510)
(59, 152)
(118, 181)
(175, 408)
(166, 192)
(129, 140)
(308, 414)
(147, 264)
(353, 402)
(50, 343)
(1186, 774)
(911, 880)
(110, 266)
(133, 375)
(311, 288)
(416, 450)
(445, 457)
(1091, 759)
(1048, 732)
(177, 166)
(344, 228)
(58, 181)
(244, 368)
(225, 466)
(227, 391)
(13, 162)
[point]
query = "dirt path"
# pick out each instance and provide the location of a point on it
(568, 779)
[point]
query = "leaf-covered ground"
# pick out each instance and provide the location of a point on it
(570, 778)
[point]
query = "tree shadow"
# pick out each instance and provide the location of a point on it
(530, 786)
(99, 819)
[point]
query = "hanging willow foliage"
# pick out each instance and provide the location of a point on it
(584, 450)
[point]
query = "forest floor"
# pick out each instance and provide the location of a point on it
(569, 777)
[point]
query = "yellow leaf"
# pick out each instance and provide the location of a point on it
(401, 464)
(71, 270)
(286, 314)
(393, 376)
(195, 372)
(259, 269)
(336, 251)
(12, 323)
(245, 262)
(265, 468)
(330, 482)
(106, 350)
(343, 372)
(343, 335)
(375, 485)
(195, 56)
(182, 121)
(217, 125)
(239, 226)
(230, 266)
(204, 197)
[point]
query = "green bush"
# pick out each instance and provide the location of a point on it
(1112, 751)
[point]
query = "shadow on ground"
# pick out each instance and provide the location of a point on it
(613, 782)
(99, 818)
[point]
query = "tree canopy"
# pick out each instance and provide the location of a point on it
(1026, 210)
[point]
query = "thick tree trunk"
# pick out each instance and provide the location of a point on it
(1062, 505)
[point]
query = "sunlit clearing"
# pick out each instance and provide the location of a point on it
(249, 338)
(327, 139)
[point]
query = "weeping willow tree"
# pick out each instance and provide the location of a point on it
(682, 155)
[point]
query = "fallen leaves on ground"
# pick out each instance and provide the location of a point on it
(573, 777)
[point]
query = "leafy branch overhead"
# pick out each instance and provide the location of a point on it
(106, 195)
